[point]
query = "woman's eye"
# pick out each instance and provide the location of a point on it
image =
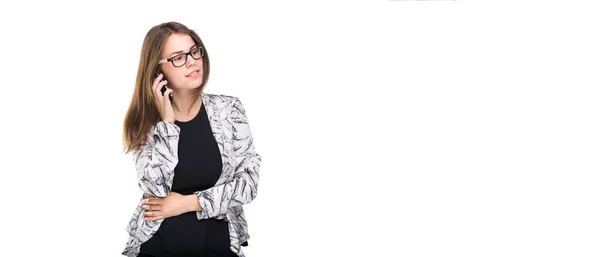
(178, 58)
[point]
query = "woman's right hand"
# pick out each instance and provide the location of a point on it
(163, 103)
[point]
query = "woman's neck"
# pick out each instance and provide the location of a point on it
(186, 106)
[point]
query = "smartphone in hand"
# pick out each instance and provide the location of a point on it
(164, 88)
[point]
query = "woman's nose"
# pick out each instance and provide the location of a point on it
(191, 61)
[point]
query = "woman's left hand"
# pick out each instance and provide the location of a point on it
(161, 208)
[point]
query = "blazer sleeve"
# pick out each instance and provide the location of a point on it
(242, 189)
(155, 162)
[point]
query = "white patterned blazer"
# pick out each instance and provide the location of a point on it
(156, 161)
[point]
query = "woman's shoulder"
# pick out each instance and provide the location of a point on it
(221, 99)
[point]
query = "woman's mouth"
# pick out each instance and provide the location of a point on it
(193, 74)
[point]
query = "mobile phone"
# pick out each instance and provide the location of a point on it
(164, 88)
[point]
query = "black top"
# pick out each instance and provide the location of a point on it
(199, 168)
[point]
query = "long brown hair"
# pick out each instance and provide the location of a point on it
(142, 113)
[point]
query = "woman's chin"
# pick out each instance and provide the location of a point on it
(192, 86)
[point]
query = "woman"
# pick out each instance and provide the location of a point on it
(194, 155)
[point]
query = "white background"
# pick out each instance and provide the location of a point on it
(387, 128)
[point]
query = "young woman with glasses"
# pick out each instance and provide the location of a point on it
(193, 153)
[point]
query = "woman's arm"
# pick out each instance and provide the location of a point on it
(243, 188)
(157, 159)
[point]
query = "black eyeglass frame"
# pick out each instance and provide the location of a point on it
(199, 48)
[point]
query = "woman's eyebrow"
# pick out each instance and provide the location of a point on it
(180, 52)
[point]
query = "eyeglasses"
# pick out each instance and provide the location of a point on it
(180, 59)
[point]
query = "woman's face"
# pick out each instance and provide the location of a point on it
(187, 76)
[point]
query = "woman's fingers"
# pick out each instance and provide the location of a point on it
(152, 207)
(156, 81)
(153, 215)
(166, 95)
(161, 99)
(157, 84)
(156, 89)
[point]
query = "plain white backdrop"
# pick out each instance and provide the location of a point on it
(387, 128)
